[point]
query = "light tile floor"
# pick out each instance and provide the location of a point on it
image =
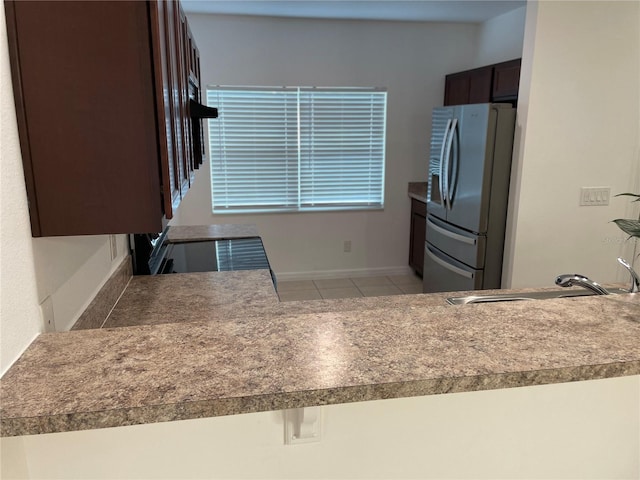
(349, 287)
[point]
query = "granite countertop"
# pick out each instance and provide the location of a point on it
(240, 295)
(183, 297)
(418, 190)
(267, 358)
(197, 233)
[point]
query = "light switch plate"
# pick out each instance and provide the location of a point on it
(594, 196)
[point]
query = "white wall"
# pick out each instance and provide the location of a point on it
(19, 315)
(71, 271)
(586, 430)
(68, 270)
(500, 38)
(578, 126)
(410, 59)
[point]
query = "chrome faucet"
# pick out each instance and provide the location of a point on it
(569, 280)
(635, 279)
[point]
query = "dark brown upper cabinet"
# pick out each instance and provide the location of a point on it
(506, 79)
(102, 100)
(493, 83)
(473, 86)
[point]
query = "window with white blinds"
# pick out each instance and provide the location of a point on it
(297, 148)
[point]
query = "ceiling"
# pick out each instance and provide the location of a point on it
(467, 11)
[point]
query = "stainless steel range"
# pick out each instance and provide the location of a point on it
(154, 254)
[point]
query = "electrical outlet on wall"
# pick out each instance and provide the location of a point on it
(347, 246)
(46, 307)
(113, 244)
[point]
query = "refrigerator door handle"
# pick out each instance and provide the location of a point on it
(447, 265)
(452, 235)
(447, 157)
(455, 159)
(441, 178)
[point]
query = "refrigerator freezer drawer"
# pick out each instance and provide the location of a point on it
(444, 274)
(464, 246)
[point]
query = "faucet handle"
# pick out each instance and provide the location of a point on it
(635, 279)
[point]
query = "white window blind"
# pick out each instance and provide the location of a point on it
(297, 148)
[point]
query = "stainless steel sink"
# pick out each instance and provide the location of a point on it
(520, 296)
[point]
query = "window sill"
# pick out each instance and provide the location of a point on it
(256, 211)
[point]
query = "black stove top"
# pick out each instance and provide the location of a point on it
(154, 254)
(215, 256)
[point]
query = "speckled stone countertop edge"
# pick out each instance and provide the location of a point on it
(322, 397)
(199, 233)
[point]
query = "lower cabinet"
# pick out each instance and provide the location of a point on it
(417, 236)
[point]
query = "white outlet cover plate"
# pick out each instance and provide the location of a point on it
(47, 314)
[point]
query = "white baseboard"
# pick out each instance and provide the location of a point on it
(326, 274)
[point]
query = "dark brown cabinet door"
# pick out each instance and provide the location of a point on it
(177, 67)
(183, 82)
(165, 80)
(473, 86)
(417, 236)
(480, 85)
(506, 80)
(456, 89)
(101, 99)
(493, 83)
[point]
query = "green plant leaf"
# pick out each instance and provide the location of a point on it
(637, 197)
(630, 227)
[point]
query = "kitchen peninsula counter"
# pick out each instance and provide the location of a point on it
(184, 297)
(242, 295)
(273, 359)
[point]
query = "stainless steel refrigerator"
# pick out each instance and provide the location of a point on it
(467, 196)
